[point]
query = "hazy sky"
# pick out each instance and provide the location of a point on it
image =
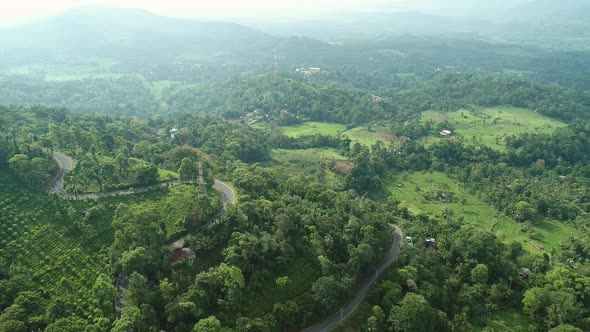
(12, 11)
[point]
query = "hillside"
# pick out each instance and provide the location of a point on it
(125, 34)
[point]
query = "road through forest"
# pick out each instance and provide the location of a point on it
(228, 195)
(331, 322)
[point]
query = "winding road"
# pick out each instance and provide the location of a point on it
(228, 195)
(331, 322)
(66, 164)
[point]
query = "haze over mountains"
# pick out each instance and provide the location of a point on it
(135, 35)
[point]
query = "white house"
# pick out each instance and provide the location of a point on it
(446, 133)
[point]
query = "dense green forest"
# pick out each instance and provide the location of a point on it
(442, 179)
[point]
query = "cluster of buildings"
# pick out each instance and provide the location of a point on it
(252, 117)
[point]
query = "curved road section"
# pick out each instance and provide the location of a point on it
(331, 322)
(227, 193)
(66, 164)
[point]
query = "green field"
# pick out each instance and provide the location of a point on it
(490, 126)
(93, 68)
(366, 135)
(158, 87)
(510, 320)
(312, 128)
(418, 190)
(306, 156)
(307, 162)
(369, 136)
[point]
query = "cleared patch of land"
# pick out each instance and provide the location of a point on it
(435, 193)
(370, 135)
(366, 135)
(93, 68)
(312, 128)
(158, 87)
(308, 161)
(490, 126)
(286, 156)
(510, 320)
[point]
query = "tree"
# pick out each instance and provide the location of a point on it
(523, 211)
(68, 324)
(414, 313)
(135, 260)
(287, 314)
(209, 324)
(188, 170)
(147, 175)
(327, 291)
(550, 308)
(479, 274)
(21, 165)
(130, 320)
(105, 293)
(282, 282)
(565, 328)
(376, 322)
(138, 292)
(12, 326)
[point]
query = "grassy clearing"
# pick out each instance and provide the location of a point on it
(93, 68)
(490, 126)
(285, 156)
(371, 135)
(366, 135)
(510, 320)
(312, 128)
(158, 87)
(420, 193)
(166, 175)
(307, 162)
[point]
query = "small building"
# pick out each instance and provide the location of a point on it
(309, 71)
(378, 99)
(524, 273)
(446, 133)
(430, 242)
(173, 132)
(182, 255)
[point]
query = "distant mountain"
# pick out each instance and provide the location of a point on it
(360, 26)
(134, 35)
(551, 10)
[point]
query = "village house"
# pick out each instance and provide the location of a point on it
(173, 132)
(446, 133)
(378, 99)
(182, 255)
(430, 242)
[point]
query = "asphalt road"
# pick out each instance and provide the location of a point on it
(331, 322)
(65, 164)
(229, 196)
